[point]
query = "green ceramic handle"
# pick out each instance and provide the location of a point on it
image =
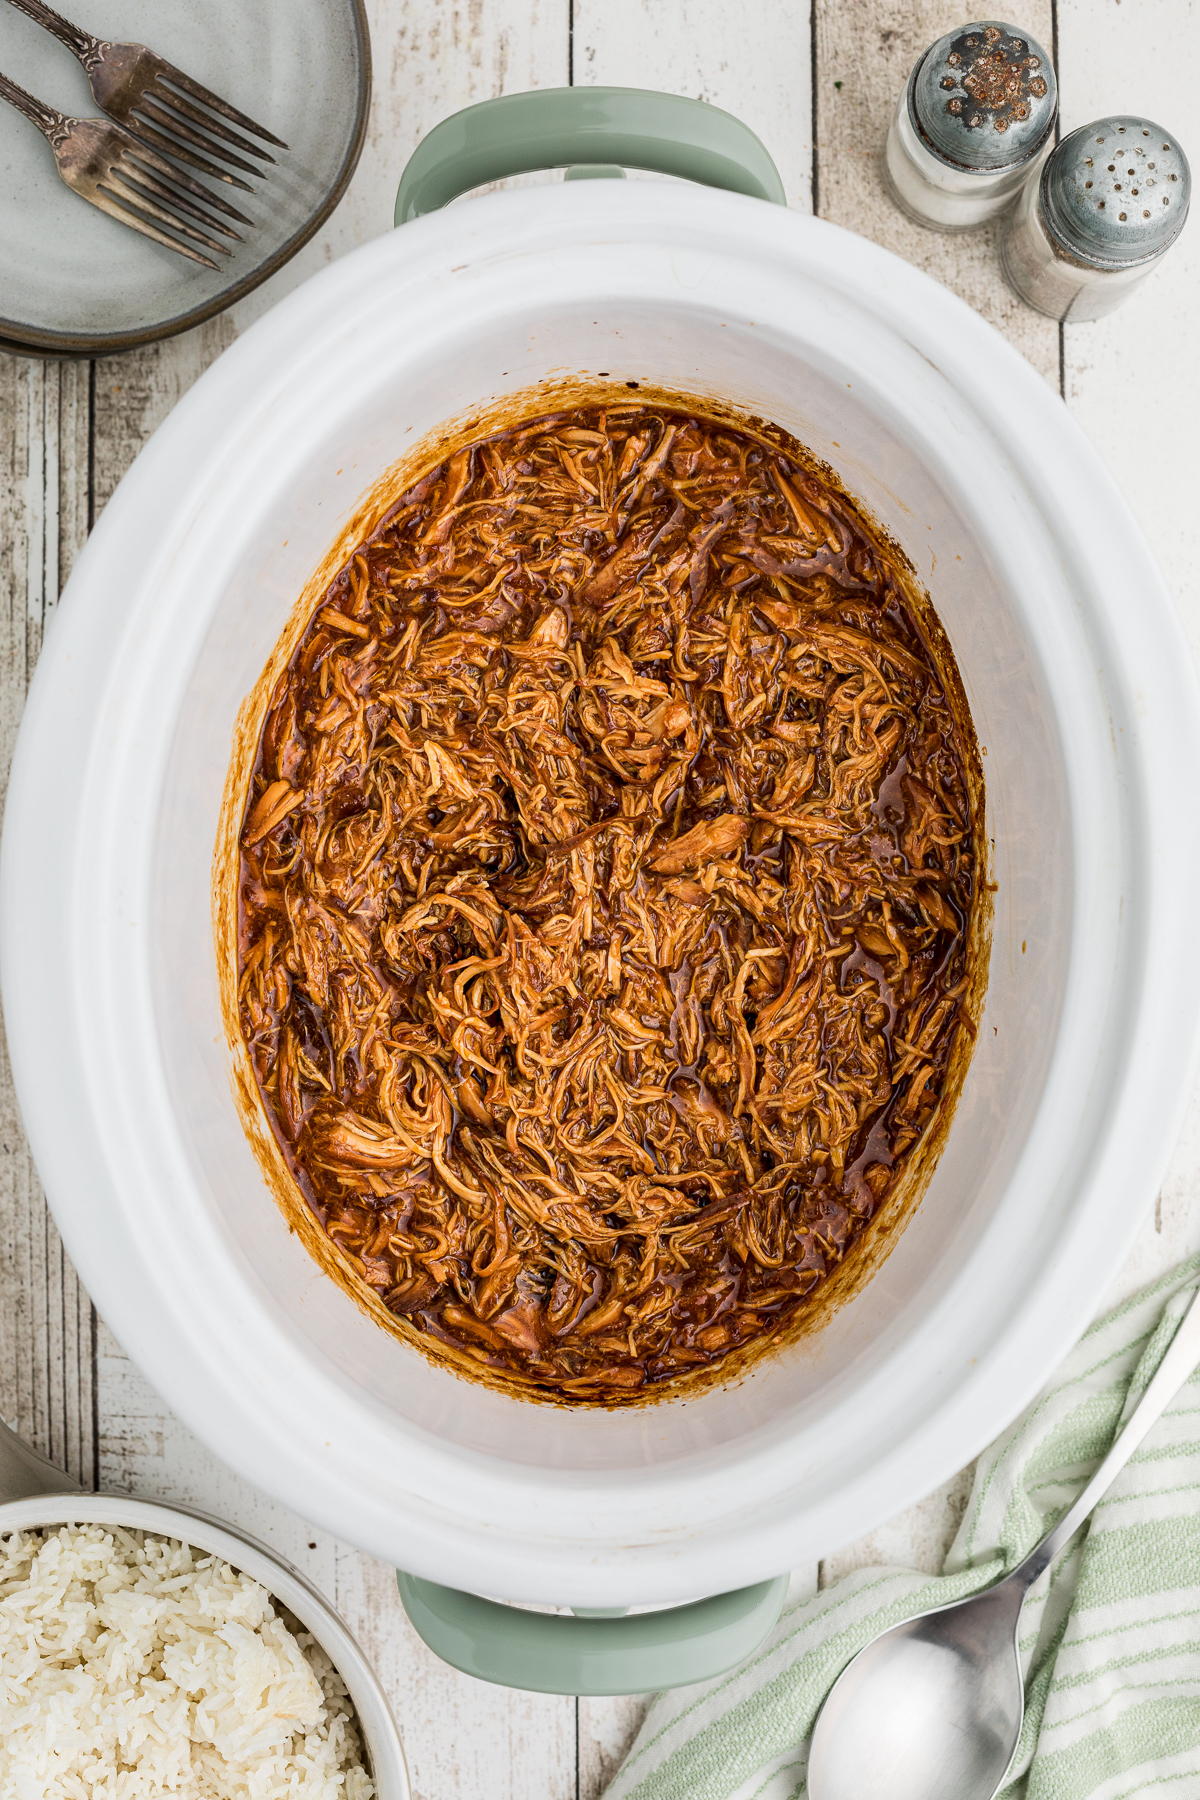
(608, 128)
(549, 1653)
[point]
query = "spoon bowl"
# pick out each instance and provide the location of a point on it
(932, 1708)
(944, 1699)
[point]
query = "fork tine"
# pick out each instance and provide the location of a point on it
(213, 127)
(117, 185)
(207, 98)
(149, 108)
(138, 178)
(178, 178)
(107, 204)
(139, 127)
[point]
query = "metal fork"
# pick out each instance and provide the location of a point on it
(156, 100)
(116, 172)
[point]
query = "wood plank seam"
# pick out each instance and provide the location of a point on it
(814, 65)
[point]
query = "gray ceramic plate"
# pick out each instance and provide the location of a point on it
(76, 283)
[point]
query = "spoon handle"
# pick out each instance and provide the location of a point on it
(23, 1473)
(1174, 1369)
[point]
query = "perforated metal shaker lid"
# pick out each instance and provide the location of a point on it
(984, 97)
(1116, 191)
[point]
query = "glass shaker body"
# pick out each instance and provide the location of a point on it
(1050, 279)
(977, 115)
(936, 193)
(1089, 230)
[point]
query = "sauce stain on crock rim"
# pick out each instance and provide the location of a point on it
(869, 1250)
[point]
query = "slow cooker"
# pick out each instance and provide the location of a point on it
(1083, 699)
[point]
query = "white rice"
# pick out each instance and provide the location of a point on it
(133, 1666)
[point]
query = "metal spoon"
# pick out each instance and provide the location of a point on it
(932, 1709)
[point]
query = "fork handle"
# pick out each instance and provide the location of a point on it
(45, 118)
(80, 43)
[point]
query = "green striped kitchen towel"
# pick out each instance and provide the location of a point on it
(1110, 1640)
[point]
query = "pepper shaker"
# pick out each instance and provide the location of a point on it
(977, 114)
(1110, 202)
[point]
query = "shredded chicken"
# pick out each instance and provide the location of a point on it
(605, 884)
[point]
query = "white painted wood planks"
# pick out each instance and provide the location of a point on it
(1133, 379)
(46, 1320)
(63, 449)
(758, 67)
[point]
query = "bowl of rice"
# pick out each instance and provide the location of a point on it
(147, 1650)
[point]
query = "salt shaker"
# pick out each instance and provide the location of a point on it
(978, 113)
(1110, 202)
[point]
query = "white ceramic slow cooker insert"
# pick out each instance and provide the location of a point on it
(1081, 692)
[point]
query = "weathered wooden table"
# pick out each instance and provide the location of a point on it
(817, 84)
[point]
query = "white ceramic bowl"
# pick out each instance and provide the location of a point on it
(1082, 693)
(31, 1499)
